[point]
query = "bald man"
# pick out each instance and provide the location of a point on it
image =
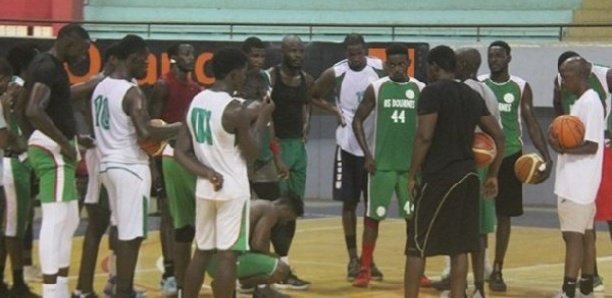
(578, 175)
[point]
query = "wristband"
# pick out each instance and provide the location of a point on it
(275, 148)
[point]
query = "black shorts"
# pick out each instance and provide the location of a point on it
(446, 218)
(509, 200)
(350, 178)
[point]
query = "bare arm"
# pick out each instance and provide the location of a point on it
(535, 132)
(237, 119)
(260, 237)
(158, 96)
(134, 105)
(490, 126)
(557, 103)
(35, 112)
(366, 106)
(83, 91)
(323, 85)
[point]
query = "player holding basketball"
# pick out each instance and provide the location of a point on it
(218, 144)
(394, 100)
(446, 219)
(170, 99)
(120, 120)
(515, 100)
(349, 79)
(53, 155)
(578, 175)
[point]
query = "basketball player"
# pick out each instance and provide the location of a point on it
(216, 147)
(600, 80)
(291, 95)
(578, 175)
(446, 213)
(349, 79)
(515, 100)
(170, 99)
(120, 119)
(394, 100)
(53, 154)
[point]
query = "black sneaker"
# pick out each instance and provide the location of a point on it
(21, 291)
(352, 269)
(496, 282)
(292, 282)
(268, 292)
(375, 273)
(442, 284)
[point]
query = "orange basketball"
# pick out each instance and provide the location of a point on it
(151, 147)
(528, 168)
(484, 149)
(569, 130)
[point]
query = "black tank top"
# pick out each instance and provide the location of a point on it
(289, 101)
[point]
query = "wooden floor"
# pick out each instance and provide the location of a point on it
(534, 265)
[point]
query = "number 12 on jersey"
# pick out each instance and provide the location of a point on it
(200, 122)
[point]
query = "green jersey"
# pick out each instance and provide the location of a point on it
(396, 121)
(598, 81)
(509, 95)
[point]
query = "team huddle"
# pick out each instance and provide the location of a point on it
(229, 163)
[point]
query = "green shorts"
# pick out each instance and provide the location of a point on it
(56, 175)
(17, 188)
(487, 207)
(381, 187)
(249, 264)
(180, 190)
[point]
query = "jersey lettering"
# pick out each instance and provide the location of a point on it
(200, 121)
(101, 106)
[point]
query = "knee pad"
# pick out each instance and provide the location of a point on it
(184, 234)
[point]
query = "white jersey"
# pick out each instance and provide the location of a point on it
(216, 148)
(578, 175)
(114, 130)
(601, 73)
(350, 87)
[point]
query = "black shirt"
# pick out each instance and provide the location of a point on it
(459, 110)
(289, 112)
(47, 70)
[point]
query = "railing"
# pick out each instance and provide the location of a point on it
(395, 31)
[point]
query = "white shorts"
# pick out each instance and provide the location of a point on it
(92, 159)
(128, 187)
(222, 225)
(575, 217)
(59, 221)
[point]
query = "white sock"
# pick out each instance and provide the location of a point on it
(62, 287)
(112, 264)
(49, 291)
(285, 259)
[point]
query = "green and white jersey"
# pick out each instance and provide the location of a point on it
(598, 81)
(349, 89)
(395, 123)
(509, 95)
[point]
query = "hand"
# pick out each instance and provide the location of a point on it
(86, 141)
(413, 187)
(543, 175)
(340, 119)
(216, 180)
(554, 142)
(490, 187)
(370, 165)
(69, 151)
(281, 168)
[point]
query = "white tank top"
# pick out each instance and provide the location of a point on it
(216, 148)
(350, 87)
(114, 130)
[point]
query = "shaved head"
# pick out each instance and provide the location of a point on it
(577, 65)
(289, 40)
(293, 51)
(468, 63)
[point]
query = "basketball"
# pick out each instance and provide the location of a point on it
(151, 147)
(484, 149)
(569, 130)
(528, 168)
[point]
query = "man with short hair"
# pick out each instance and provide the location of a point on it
(515, 101)
(349, 79)
(53, 153)
(446, 219)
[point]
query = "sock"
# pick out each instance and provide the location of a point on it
(479, 285)
(62, 287)
(497, 266)
(366, 255)
(586, 284)
(49, 290)
(18, 277)
(112, 265)
(569, 287)
(351, 245)
(179, 292)
(285, 259)
(168, 269)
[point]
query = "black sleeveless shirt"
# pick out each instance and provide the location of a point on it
(289, 101)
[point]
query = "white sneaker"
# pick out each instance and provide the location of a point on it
(32, 273)
(168, 286)
(477, 294)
